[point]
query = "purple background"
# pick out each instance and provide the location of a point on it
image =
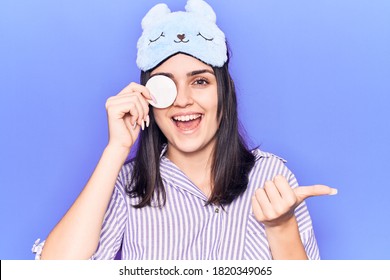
(313, 79)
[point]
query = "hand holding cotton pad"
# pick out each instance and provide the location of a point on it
(163, 89)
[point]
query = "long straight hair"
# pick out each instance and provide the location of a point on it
(231, 159)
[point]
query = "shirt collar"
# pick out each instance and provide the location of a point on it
(176, 178)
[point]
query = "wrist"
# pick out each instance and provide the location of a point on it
(281, 227)
(285, 241)
(117, 151)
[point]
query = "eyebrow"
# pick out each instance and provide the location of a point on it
(190, 74)
(201, 71)
(169, 75)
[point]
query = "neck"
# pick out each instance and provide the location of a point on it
(196, 165)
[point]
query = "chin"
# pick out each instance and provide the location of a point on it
(191, 147)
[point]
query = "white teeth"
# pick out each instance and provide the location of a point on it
(187, 117)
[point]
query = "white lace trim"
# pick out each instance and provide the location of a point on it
(37, 248)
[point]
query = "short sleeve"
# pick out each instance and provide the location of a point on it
(305, 224)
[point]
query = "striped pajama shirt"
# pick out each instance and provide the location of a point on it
(186, 229)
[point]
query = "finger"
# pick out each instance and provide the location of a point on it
(142, 99)
(304, 192)
(272, 192)
(256, 209)
(133, 104)
(120, 99)
(130, 97)
(120, 111)
(265, 204)
(142, 106)
(285, 190)
(145, 107)
(128, 122)
(140, 111)
(134, 87)
(133, 124)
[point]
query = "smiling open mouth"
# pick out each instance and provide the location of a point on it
(187, 122)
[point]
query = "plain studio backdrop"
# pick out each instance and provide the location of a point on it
(313, 81)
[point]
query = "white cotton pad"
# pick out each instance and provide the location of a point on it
(163, 90)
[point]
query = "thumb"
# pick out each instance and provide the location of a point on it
(315, 190)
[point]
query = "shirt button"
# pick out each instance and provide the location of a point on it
(216, 210)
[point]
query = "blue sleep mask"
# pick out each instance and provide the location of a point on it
(193, 32)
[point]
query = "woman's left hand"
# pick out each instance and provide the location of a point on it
(274, 204)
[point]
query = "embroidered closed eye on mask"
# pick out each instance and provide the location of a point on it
(193, 32)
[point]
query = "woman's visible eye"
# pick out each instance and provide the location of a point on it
(201, 82)
(161, 35)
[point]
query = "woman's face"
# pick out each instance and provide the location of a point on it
(190, 123)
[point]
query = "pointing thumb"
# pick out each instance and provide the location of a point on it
(315, 190)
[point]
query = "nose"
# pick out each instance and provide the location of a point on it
(181, 37)
(183, 98)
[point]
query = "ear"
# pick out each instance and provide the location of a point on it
(201, 8)
(154, 13)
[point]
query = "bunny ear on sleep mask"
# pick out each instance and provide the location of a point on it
(193, 32)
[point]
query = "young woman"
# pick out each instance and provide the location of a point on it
(194, 190)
